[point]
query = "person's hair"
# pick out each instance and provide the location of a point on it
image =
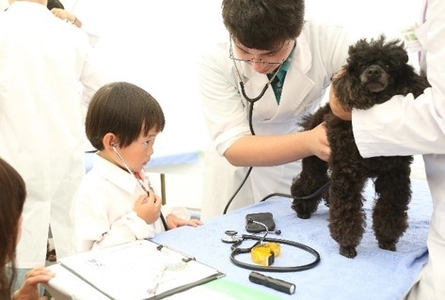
(54, 4)
(12, 199)
(123, 109)
(263, 24)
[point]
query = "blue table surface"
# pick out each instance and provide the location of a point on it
(373, 274)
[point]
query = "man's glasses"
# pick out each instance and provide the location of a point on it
(257, 61)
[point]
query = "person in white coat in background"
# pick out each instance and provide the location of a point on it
(271, 54)
(408, 126)
(43, 60)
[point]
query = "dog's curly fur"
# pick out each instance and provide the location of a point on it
(375, 71)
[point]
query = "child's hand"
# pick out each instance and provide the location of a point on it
(148, 208)
(174, 222)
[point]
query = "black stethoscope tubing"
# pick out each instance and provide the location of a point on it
(236, 251)
(251, 101)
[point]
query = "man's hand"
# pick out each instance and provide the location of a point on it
(320, 144)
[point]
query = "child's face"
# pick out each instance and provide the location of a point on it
(138, 154)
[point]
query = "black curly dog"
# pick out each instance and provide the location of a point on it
(375, 71)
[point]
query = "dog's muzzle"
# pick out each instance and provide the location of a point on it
(375, 78)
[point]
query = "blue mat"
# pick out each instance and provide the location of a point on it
(373, 274)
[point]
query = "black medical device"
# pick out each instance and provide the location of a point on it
(273, 283)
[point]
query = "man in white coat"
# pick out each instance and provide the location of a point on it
(408, 126)
(42, 61)
(266, 40)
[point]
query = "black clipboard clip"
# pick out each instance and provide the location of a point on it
(186, 258)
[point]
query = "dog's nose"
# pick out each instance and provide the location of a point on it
(373, 72)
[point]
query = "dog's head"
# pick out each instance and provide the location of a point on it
(375, 71)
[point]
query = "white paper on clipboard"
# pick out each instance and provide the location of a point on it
(139, 270)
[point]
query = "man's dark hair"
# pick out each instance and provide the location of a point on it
(263, 24)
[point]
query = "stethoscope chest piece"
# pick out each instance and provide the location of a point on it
(231, 237)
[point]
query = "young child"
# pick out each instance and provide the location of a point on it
(114, 203)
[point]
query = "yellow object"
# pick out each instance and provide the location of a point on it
(265, 254)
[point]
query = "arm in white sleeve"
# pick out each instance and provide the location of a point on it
(126, 229)
(93, 73)
(404, 126)
(92, 227)
(401, 126)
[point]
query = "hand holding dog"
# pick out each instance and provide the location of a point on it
(336, 107)
(320, 145)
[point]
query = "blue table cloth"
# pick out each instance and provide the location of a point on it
(373, 274)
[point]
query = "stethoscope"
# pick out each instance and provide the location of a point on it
(141, 184)
(251, 102)
(232, 237)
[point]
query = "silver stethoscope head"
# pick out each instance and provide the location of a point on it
(231, 237)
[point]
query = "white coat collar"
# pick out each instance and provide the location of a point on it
(116, 175)
(292, 95)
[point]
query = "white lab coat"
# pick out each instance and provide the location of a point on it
(320, 51)
(404, 126)
(42, 60)
(102, 210)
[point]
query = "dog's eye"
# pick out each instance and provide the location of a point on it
(362, 65)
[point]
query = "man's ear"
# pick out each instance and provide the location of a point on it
(109, 141)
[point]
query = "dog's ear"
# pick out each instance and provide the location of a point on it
(396, 53)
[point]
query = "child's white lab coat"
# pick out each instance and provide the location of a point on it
(102, 211)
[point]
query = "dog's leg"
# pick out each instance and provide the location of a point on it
(311, 179)
(390, 218)
(346, 215)
(313, 175)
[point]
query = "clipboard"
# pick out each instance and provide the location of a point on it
(140, 270)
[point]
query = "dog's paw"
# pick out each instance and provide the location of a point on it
(348, 251)
(304, 215)
(388, 246)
